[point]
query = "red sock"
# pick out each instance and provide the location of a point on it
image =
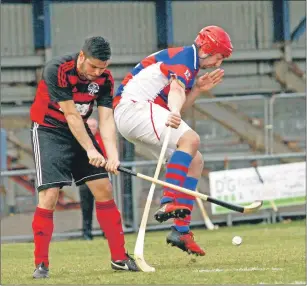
(42, 226)
(110, 222)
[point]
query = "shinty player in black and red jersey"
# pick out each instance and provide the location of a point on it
(65, 149)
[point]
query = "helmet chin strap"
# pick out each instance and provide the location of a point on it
(203, 58)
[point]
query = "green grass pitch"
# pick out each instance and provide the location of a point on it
(270, 254)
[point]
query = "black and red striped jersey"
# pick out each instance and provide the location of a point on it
(60, 82)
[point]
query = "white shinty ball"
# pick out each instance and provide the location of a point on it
(237, 240)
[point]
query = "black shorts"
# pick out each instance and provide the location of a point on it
(59, 158)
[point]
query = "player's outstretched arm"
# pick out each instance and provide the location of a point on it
(108, 134)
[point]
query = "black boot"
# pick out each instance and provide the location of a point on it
(41, 271)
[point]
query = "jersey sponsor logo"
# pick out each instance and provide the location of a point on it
(82, 108)
(93, 88)
(187, 74)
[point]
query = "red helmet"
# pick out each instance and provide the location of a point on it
(214, 40)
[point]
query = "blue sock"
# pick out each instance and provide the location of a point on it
(183, 225)
(176, 173)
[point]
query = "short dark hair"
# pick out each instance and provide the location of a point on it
(97, 47)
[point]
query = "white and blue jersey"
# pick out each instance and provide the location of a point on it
(150, 79)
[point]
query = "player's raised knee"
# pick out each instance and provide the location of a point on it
(198, 160)
(190, 139)
(195, 140)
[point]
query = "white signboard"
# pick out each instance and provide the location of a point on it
(285, 184)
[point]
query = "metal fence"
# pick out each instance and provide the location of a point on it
(132, 207)
(287, 117)
(282, 114)
(141, 188)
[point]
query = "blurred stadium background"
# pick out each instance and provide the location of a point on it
(257, 113)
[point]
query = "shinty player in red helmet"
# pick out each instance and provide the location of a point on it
(213, 40)
(153, 96)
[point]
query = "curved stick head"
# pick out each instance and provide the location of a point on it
(253, 207)
(141, 263)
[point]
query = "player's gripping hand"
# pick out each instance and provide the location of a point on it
(95, 158)
(174, 119)
(112, 165)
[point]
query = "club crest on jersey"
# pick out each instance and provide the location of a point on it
(93, 88)
(187, 74)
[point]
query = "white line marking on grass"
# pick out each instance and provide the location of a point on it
(240, 269)
(294, 282)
